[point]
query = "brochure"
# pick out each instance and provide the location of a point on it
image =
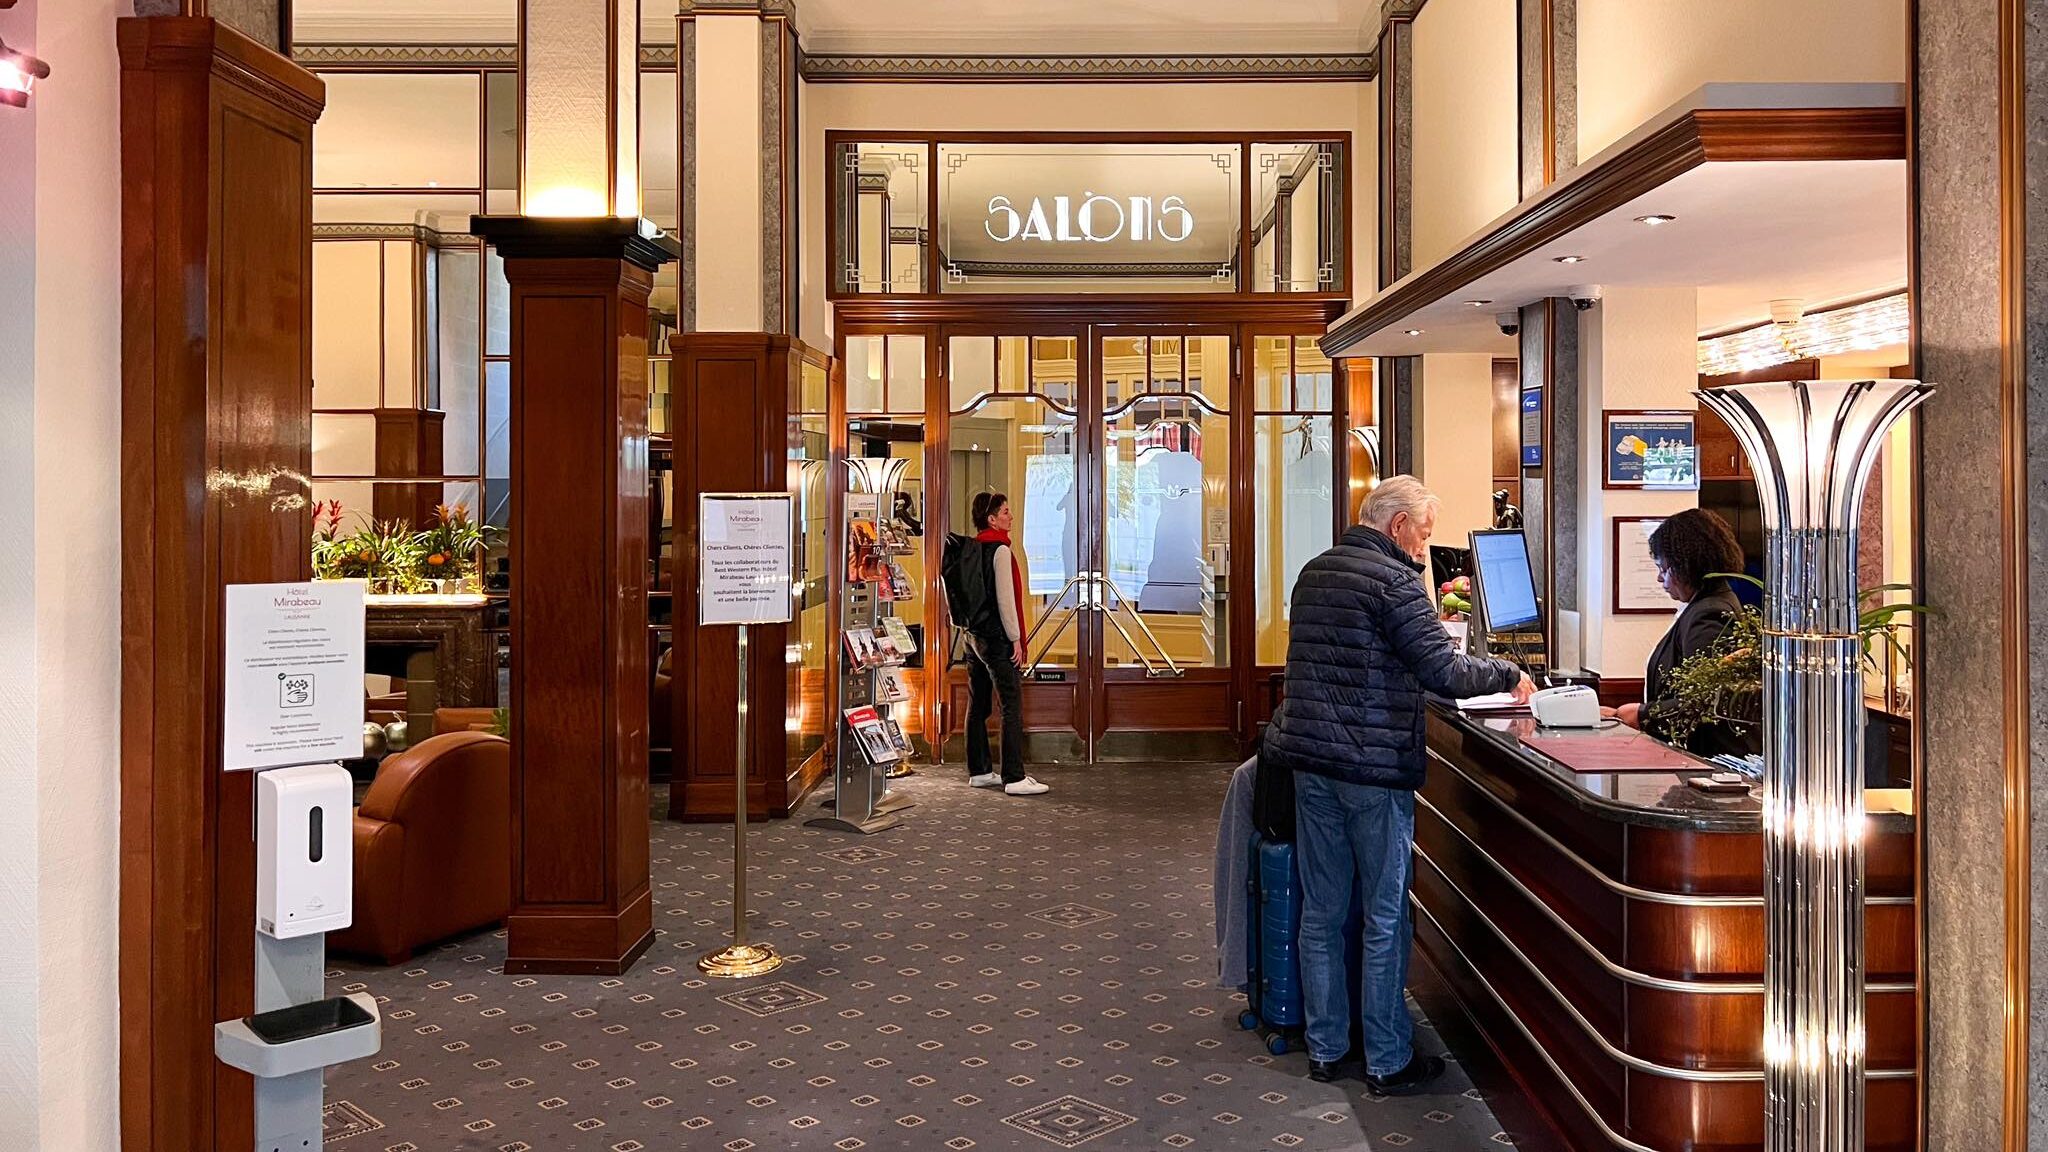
(899, 635)
(872, 735)
(861, 648)
(891, 687)
(886, 651)
(898, 741)
(864, 561)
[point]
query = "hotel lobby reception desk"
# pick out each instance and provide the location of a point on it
(1604, 932)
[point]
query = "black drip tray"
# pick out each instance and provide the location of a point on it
(303, 1021)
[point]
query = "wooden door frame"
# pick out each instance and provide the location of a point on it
(1083, 318)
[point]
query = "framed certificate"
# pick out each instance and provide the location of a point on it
(1637, 591)
(1652, 450)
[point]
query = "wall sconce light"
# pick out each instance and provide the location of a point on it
(1812, 446)
(579, 154)
(1370, 439)
(875, 475)
(19, 72)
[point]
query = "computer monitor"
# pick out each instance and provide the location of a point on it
(1504, 581)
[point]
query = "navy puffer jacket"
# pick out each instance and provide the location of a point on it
(1365, 648)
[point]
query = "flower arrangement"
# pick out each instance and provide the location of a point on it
(1725, 683)
(1454, 598)
(391, 555)
(448, 547)
(326, 529)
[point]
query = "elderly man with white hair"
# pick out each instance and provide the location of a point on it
(1365, 648)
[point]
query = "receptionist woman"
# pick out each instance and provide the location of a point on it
(1688, 549)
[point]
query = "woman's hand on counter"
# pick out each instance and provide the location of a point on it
(1629, 714)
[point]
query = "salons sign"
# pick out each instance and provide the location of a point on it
(1088, 218)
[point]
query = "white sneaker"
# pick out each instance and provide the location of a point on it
(985, 780)
(1026, 787)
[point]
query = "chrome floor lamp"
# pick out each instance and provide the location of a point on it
(1812, 445)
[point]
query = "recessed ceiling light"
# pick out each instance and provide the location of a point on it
(1415, 331)
(1654, 221)
(1569, 259)
(1477, 303)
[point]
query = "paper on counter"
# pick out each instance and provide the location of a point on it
(1493, 702)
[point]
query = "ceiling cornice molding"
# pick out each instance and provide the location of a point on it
(436, 57)
(1154, 69)
(1392, 11)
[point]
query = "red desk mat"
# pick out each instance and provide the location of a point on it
(1605, 749)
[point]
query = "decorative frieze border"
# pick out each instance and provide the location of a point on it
(857, 69)
(437, 57)
(417, 233)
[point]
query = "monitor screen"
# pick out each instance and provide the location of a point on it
(1507, 586)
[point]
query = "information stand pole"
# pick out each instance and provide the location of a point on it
(740, 959)
(744, 569)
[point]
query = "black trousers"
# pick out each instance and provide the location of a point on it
(992, 670)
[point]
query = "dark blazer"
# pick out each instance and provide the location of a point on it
(1697, 629)
(1364, 646)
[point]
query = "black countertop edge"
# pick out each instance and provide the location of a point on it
(1678, 805)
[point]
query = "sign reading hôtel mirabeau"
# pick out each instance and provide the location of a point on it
(1088, 218)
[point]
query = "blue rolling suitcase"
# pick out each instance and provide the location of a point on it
(1274, 988)
(1274, 985)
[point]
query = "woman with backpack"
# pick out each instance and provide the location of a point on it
(995, 662)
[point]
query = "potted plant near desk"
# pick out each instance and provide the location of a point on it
(1724, 684)
(448, 549)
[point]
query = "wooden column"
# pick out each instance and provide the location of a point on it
(579, 548)
(736, 396)
(408, 444)
(217, 393)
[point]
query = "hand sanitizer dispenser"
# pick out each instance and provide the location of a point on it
(304, 850)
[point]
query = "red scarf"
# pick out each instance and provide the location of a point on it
(998, 536)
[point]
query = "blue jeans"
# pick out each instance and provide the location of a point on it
(1341, 831)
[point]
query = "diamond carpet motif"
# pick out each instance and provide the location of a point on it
(1012, 975)
(1069, 1121)
(771, 999)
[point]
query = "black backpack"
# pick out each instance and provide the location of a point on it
(1273, 801)
(965, 570)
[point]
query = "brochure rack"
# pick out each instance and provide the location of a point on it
(872, 744)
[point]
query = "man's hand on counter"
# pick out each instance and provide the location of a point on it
(1523, 689)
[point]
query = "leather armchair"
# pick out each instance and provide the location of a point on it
(433, 846)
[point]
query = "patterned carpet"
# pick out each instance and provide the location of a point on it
(996, 973)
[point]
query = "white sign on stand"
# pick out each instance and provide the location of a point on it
(744, 558)
(293, 675)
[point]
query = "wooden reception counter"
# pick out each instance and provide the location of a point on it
(1604, 933)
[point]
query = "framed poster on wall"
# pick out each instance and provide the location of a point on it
(1650, 450)
(1637, 590)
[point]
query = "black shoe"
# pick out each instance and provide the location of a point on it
(1420, 1073)
(1322, 1071)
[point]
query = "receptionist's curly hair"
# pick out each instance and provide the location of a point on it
(1694, 543)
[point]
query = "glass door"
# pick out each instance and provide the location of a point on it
(1016, 424)
(1160, 589)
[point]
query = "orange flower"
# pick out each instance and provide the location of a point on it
(437, 559)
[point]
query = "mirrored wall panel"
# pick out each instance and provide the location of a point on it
(1298, 218)
(882, 231)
